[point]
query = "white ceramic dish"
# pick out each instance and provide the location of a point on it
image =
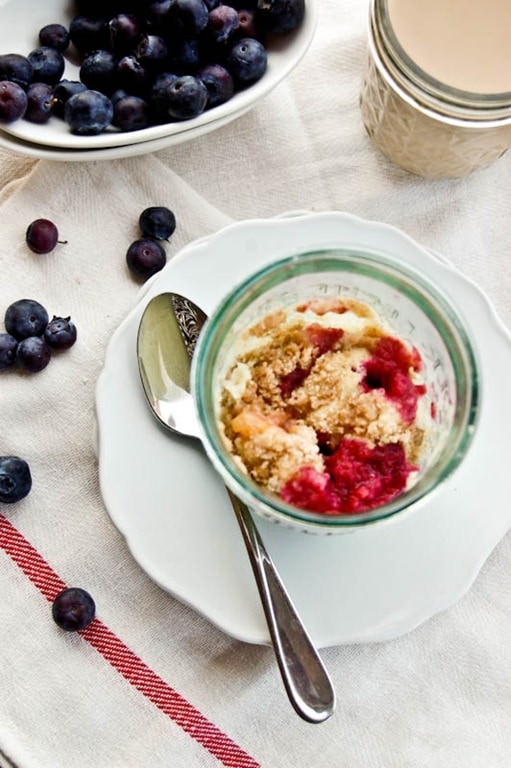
(20, 147)
(20, 21)
(369, 586)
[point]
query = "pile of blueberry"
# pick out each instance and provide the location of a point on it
(146, 255)
(29, 340)
(31, 336)
(143, 62)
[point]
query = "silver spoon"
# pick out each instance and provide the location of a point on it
(168, 330)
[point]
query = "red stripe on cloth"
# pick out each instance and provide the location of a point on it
(124, 660)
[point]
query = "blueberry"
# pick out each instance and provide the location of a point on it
(187, 97)
(33, 354)
(15, 479)
(280, 16)
(39, 103)
(119, 93)
(60, 333)
(223, 22)
(145, 257)
(160, 15)
(249, 26)
(124, 31)
(88, 33)
(47, 64)
(13, 101)
(98, 70)
(42, 236)
(16, 68)
(131, 113)
(54, 36)
(247, 61)
(62, 92)
(192, 16)
(218, 82)
(186, 55)
(157, 222)
(152, 53)
(73, 609)
(88, 113)
(158, 97)
(24, 318)
(131, 76)
(8, 347)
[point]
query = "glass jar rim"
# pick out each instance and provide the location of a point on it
(429, 90)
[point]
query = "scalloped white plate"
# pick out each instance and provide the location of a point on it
(368, 586)
(20, 21)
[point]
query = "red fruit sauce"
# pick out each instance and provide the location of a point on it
(323, 339)
(357, 478)
(389, 369)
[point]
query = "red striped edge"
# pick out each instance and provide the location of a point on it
(124, 660)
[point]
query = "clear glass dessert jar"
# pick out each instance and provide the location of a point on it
(416, 312)
(436, 94)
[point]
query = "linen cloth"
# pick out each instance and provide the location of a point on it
(438, 697)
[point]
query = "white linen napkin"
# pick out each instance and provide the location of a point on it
(161, 686)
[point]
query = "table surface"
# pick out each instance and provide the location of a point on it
(152, 683)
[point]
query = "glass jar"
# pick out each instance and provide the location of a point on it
(421, 123)
(413, 309)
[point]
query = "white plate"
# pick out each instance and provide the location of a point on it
(20, 21)
(20, 147)
(368, 586)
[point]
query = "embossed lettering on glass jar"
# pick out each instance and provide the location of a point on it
(430, 127)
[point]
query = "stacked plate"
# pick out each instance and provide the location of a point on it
(20, 21)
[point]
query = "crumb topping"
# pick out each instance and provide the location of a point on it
(299, 385)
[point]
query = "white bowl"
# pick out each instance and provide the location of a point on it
(20, 22)
(18, 146)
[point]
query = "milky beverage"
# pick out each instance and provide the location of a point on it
(436, 94)
(463, 43)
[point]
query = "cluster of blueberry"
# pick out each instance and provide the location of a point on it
(29, 339)
(31, 336)
(143, 63)
(146, 256)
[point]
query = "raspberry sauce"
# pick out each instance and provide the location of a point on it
(357, 478)
(389, 369)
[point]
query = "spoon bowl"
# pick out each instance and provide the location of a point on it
(167, 335)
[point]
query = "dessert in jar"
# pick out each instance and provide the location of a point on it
(436, 95)
(334, 388)
(324, 406)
